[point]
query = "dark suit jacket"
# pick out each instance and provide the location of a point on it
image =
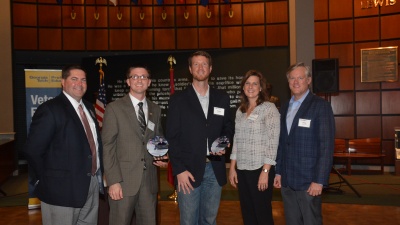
(59, 154)
(188, 131)
(125, 148)
(306, 154)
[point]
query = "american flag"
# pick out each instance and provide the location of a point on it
(101, 102)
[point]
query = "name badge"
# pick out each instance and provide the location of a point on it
(150, 125)
(304, 123)
(253, 117)
(219, 111)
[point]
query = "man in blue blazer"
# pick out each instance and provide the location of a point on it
(305, 151)
(59, 152)
(196, 117)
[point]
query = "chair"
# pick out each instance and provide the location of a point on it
(367, 148)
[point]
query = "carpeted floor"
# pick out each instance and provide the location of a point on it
(374, 190)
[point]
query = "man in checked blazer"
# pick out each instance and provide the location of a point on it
(130, 173)
(305, 151)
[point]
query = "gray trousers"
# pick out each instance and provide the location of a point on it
(301, 208)
(60, 215)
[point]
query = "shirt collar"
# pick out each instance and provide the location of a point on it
(301, 99)
(74, 103)
(207, 93)
(135, 101)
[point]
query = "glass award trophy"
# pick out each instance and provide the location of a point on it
(218, 145)
(158, 147)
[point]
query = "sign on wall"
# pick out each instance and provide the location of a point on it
(41, 85)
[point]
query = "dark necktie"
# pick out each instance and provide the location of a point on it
(90, 138)
(141, 118)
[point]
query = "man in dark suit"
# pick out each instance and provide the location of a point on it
(197, 116)
(305, 151)
(130, 172)
(66, 160)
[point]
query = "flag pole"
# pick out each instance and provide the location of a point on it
(170, 177)
(101, 102)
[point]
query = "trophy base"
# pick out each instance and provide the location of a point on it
(214, 157)
(173, 196)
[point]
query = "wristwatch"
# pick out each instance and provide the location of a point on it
(265, 170)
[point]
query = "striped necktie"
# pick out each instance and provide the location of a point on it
(141, 118)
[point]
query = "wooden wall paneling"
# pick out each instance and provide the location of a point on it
(31, 1)
(322, 51)
(187, 38)
(388, 30)
(391, 102)
(96, 39)
(231, 37)
(366, 29)
(119, 16)
(343, 103)
(209, 37)
(49, 16)
(164, 39)
(120, 39)
(388, 125)
(196, 1)
(123, 2)
(358, 11)
(253, 13)
(24, 14)
(25, 38)
(321, 33)
(388, 9)
(321, 10)
(340, 9)
(236, 19)
(368, 102)
(73, 39)
(393, 43)
(359, 46)
(98, 2)
(69, 21)
(391, 85)
(277, 12)
(191, 13)
(389, 150)
(102, 20)
(142, 39)
(254, 36)
(364, 85)
(344, 52)
(346, 79)
(147, 14)
(344, 127)
(368, 126)
(168, 12)
(49, 39)
(47, 1)
(277, 35)
(341, 31)
(202, 15)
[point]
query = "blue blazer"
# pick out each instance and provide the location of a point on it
(188, 130)
(305, 155)
(59, 155)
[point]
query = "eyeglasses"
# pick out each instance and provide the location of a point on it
(141, 77)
